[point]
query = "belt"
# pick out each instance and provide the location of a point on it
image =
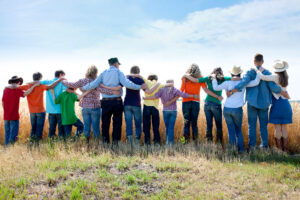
(112, 98)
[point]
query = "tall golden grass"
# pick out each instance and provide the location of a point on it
(293, 129)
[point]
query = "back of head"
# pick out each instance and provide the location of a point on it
(58, 73)
(258, 57)
(135, 70)
(37, 76)
(194, 70)
(91, 72)
(283, 78)
(170, 81)
(152, 77)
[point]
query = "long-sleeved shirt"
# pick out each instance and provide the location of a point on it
(92, 99)
(51, 107)
(111, 77)
(167, 94)
(274, 78)
(237, 99)
(260, 96)
(190, 87)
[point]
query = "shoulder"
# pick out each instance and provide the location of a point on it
(266, 72)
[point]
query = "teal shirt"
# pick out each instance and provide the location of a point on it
(51, 107)
(210, 87)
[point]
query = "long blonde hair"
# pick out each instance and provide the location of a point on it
(91, 72)
(194, 70)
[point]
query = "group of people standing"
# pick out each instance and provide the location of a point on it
(261, 88)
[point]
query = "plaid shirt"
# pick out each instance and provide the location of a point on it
(92, 99)
(167, 94)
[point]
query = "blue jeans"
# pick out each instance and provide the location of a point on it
(135, 112)
(55, 120)
(191, 111)
(234, 120)
(213, 111)
(68, 129)
(170, 119)
(91, 117)
(11, 131)
(37, 124)
(262, 115)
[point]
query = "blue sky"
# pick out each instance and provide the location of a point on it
(162, 37)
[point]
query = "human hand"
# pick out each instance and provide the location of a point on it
(220, 98)
(117, 93)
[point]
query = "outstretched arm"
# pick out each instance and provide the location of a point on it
(250, 75)
(95, 83)
(117, 88)
(127, 83)
(195, 80)
(254, 83)
(152, 89)
(55, 83)
(27, 92)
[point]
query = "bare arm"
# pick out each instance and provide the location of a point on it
(209, 92)
(150, 98)
(51, 86)
(195, 80)
(117, 88)
(53, 94)
(152, 89)
(27, 92)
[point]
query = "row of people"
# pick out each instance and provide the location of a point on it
(61, 97)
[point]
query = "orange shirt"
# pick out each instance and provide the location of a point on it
(35, 98)
(190, 87)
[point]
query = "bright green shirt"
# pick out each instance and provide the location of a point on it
(210, 87)
(67, 106)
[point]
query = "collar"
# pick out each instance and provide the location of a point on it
(257, 67)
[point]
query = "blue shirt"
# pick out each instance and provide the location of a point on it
(133, 97)
(51, 107)
(260, 96)
(111, 77)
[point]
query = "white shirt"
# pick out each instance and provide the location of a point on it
(237, 99)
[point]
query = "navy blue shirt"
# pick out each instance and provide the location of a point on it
(133, 97)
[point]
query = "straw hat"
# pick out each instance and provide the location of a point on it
(236, 70)
(280, 66)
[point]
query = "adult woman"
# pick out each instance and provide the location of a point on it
(213, 103)
(281, 112)
(91, 106)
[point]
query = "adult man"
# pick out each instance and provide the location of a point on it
(112, 105)
(259, 99)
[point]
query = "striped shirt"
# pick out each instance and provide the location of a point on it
(92, 99)
(167, 94)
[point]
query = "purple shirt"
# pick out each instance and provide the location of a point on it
(167, 94)
(92, 99)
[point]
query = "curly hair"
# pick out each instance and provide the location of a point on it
(194, 70)
(91, 72)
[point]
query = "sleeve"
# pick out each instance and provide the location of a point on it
(21, 93)
(104, 90)
(254, 82)
(58, 99)
(44, 87)
(222, 86)
(274, 87)
(159, 93)
(46, 82)
(95, 83)
(267, 77)
(182, 88)
(77, 84)
(181, 94)
(75, 97)
(203, 79)
(250, 75)
(24, 87)
(127, 83)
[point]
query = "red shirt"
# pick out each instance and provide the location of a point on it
(11, 101)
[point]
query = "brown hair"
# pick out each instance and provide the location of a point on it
(217, 71)
(152, 77)
(194, 70)
(135, 70)
(283, 78)
(258, 57)
(91, 72)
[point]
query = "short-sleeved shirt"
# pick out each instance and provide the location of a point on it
(67, 106)
(210, 87)
(36, 98)
(190, 87)
(154, 102)
(11, 102)
(133, 97)
(51, 107)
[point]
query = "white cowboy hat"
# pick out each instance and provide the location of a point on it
(280, 66)
(236, 70)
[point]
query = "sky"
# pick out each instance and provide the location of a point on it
(161, 36)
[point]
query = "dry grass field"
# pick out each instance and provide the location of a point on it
(293, 129)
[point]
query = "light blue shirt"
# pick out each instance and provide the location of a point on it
(112, 77)
(51, 107)
(260, 96)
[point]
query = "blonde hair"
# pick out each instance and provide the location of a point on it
(194, 70)
(91, 72)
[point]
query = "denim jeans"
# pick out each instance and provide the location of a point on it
(55, 120)
(213, 110)
(262, 115)
(11, 131)
(170, 119)
(191, 111)
(68, 129)
(135, 112)
(234, 120)
(112, 109)
(91, 118)
(151, 114)
(37, 125)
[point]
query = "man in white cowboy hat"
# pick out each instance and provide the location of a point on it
(233, 107)
(259, 99)
(10, 101)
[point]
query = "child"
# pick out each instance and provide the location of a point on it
(67, 104)
(10, 102)
(167, 94)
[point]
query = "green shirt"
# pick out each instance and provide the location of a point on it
(210, 87)
(67, 106)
